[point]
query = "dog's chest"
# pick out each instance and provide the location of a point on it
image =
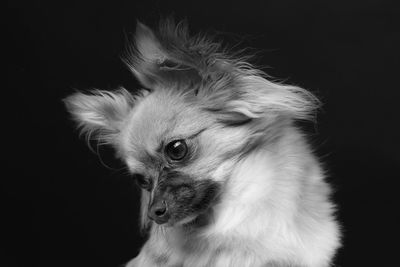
(191, 251)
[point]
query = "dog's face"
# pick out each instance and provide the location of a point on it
(202, 112)
(168, 147)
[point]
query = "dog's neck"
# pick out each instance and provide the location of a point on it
(272, 200)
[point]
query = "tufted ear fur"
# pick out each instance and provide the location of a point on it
(254, 97)
(170, 57)
(101, 112)
(146, 56)
(223, 82)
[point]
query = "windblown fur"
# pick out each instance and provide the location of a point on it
(247, 191)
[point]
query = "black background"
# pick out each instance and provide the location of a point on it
(64, 208)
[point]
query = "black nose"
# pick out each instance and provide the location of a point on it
(158, 212)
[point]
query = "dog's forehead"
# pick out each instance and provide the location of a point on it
(157, 117)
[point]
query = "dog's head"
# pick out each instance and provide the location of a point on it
(201, 111)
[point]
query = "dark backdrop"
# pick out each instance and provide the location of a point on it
(64, 208)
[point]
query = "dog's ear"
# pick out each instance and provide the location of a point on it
(254, 97)
(171, 57)
(101, 112)
(223, 83)
(163, 57)
(145, 56)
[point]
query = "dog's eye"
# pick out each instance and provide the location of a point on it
(142, 182)
(176, 150)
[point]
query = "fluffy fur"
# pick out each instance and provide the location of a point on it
(249, 192)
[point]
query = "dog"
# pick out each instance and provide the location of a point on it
(227, 177)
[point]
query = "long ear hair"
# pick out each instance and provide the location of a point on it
(100, 114)
(171, 56)
(253, 97)
(223, 81)
(155, 59)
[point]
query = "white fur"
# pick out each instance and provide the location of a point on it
(274, 207)
(275, 212)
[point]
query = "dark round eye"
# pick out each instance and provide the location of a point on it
(176, 150)
(142, 182)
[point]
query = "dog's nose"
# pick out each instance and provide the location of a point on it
(158, 212)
